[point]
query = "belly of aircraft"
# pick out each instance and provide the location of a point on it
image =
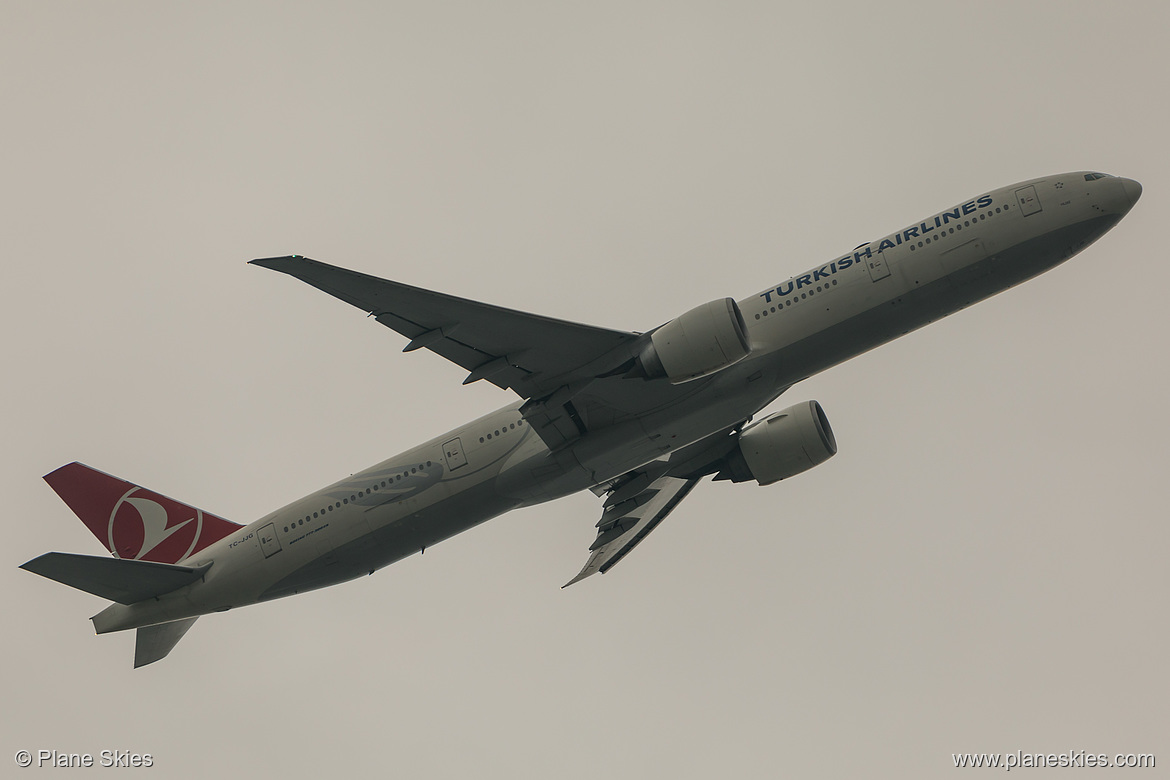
(396, 540)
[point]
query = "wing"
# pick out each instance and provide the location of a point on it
(625, 524)
(528, 353)
(638, 501)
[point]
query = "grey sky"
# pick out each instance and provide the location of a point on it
(981, 568)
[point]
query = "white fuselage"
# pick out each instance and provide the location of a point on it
(797, 328)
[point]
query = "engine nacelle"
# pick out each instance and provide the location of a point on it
(782, 445)
(706, 339)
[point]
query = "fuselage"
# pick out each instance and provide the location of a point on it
(797, 328)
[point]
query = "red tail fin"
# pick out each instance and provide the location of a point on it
(133, 522)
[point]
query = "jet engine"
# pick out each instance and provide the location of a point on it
(706, 339)
(781, 445)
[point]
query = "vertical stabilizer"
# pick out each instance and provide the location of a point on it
(133, 522)
(154, 642)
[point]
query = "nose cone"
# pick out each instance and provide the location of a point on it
(1132, 191)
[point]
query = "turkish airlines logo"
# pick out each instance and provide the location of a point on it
(148, 527)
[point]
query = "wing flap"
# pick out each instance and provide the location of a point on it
(122, 580)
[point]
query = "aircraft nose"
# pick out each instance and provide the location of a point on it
(1132, 190)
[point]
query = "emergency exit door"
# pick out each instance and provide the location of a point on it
(269, 544)
(877, 265)
(1028, 200)
(453, 452)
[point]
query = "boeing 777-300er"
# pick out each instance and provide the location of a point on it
(638, 418)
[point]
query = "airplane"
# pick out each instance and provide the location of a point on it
(637, 418)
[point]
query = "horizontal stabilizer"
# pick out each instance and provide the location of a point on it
(117, 579)
(154, 642)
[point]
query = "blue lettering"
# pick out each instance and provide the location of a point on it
(866, 250)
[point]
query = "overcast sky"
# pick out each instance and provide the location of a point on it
(983, 567)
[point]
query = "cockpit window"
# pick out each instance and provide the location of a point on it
(1095, 176)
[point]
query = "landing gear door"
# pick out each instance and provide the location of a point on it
(269, 544)
(1028, 200)
(453, 452)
